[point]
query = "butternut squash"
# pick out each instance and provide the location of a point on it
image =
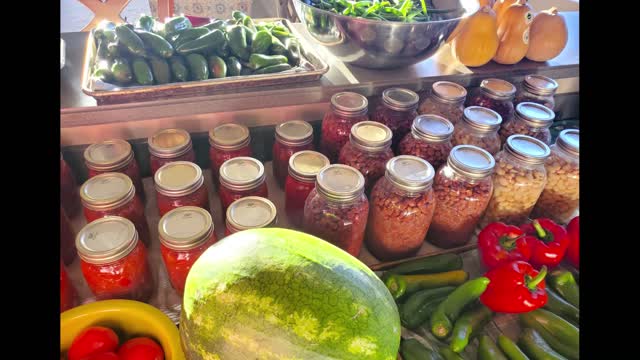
(500, 6)
(477, 41)
(548, 35)
(513, 33)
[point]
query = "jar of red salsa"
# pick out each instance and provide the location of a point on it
(180, 183)
(337, 209)
(347, 109)
(168, 146)
(67, 292)
(303, 168)
(291, 137)
(113, 261)
(227, 142)
(430, 139)
(497, 95)
(185, 233)
(397, 111)
(241, 177)
(251, 212)
(67, 239)
(69, 198)
(113, 194)
(114, 156)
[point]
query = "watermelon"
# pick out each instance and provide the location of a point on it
(282, 294)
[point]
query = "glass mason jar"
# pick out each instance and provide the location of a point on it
(227, 141)
(69, 197)
(304, 166)
(180, 183)
(497, 95)
(446, 99)
(67, 291)
(368, 150)
(241, 177)
(251, 212)
(561, 195)
(402, 205)
(168, 146)
(463, 188)
(346, 109)
(291, 137)
(113, 261)
(479, 127)
(518, 180)
(67, 239)
(337, 209)
(430, 139)
(114, 156)
(531, 119)
(397, 111)
(113, 194)
(185, 233)
(538, 89)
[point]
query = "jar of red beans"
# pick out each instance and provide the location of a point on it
(185, 233)
(180, 183)
(337, 209)
(497, 95)
(291, 137)
(368, 150)
(531, 119)
(304, 166)
(538, 89)
(113, 261)
(251, 212)
(67, 291)
(113, 194)
(397, 111)
(402, 205)
(463, 188)
(430, 139)
(241, 177)
(227, 142)
(479, 127)
(170, 145)
(347, 109)
(446, 99)
(67, 239)
(114, 156)
(69, 198)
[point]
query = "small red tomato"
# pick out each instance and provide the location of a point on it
(103, 356)
(91, 341)
(573, 251)
(141, 348)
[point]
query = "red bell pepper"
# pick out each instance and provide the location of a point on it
(573, 251)
(548, 242)
(500, 243)
(515, 287)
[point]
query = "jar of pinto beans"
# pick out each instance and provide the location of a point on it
(169, 145)
(402, 205)
(538, 89)
(397, 111)
(347, 109)
(530, 119)
(446, 99)
(495, 94)
(479, 127)
(430, 139)
(291, 137)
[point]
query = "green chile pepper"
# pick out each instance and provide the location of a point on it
(510, 349)
(146, 22)
(428, 265)
(565, 284)
(468, 325)
(448, 311)
(420, 305)
(447, 354)
(487, 350)
(130, 39)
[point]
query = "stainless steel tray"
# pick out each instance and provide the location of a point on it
(311, 68)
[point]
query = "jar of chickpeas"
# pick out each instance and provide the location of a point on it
(479, 127)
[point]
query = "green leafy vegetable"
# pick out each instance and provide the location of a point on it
(392, 10)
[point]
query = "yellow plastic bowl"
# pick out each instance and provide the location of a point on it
(133, 318)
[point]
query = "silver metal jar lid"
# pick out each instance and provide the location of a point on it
(535, 115)
(169, 143)
(185, 228)
(370, 136)
(251, 212)
(229, 137)
(432, 128)
(482, 119)
(540, 85)
(107, 191)
(527, 149)
(294, 133)
(178, 178)
(340, 183)
(106, 240)
(349, 104)
(109, 155)
(410, 173)
(471, 161)
(305, 165)
(400, 99)
(498, 89)
(242, 173)
(569, 141)
(448, 92)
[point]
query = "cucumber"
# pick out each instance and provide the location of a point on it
(233, 66)
(146, 22)
(217, 67)
(216, 24)
(190, 34)
(293, 51)
(209, 41)
(238, 42)
(257, 61)
(412, 349)
(488, 350)
(246, 71)
(103, 71)
(561, 335)
(510, 349)
(157, 43)
(121, 71)
(160, 69)
(273, 69)
(198, 67)
(536, 348)
(447, 354)
(557, 305)
(223, 51)
(130, 39)
(179, 68)
(261, 42)
(109, 35)
(142, 71)
(176, 24)
(427, 265)
(419, 306)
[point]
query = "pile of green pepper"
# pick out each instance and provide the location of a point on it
(152, 52)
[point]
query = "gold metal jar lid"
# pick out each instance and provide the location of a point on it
(540, 85)
(169, 143)
(305, 165)
(498, 89)
(229, 137)
(106, 240)
(471, 161)
(107, 191)
(400, 99)
(178, 178)
(242, 173)
(340, 183)
(185, 228)
(569, 141)
(535, 115)
(294, 133)
(251, 212)
(482, 119)
(109, 155)
(432, 128)
(370, 136)
(527, 149)
(349, 104)
(448, 92)
(409, 173)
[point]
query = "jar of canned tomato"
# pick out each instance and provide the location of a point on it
(347, 109)
(180, 183)
(304, 166)
(241, 177)
(497, 95)
(538, 89)
(291, 137)
(67, 291)
(530, 119)
(251, 212)
(397, 111)
(69, 198)
(67, 239)
(430, 139)
(446, 99)
(168, 146)
(227, 141)
(479, 127)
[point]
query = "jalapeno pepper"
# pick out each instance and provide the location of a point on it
(515, 288)
(548, 240)
(500, 243)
